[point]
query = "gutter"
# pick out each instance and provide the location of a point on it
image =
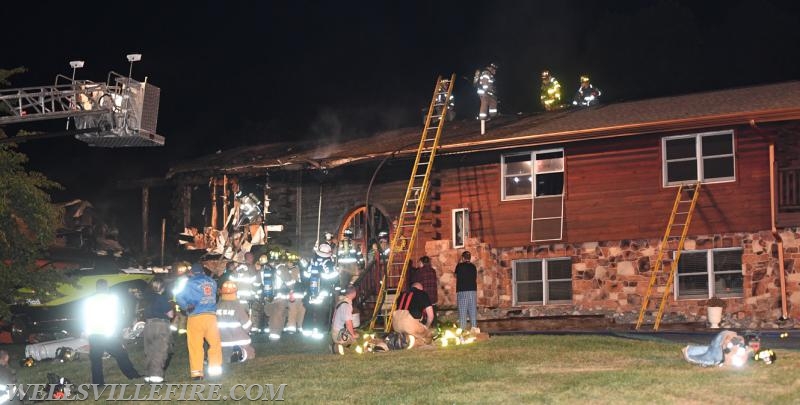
(742, 118)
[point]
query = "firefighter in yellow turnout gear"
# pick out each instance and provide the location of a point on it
(277, 307)
(550, 92)
(297, 311)
(199, 300)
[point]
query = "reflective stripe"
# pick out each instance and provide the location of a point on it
(274, 336)
(243, 342)
(247, 325)
(226, 325)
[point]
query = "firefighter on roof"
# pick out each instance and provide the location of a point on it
(484, 82)
(587, 95)
(199, 298)
(550, 92)
(234, 325)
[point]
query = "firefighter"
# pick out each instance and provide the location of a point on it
(297, 311)
(550, 94)
(234, 325)
(247, 285)
(277, 307)
(101, 314)
(587, 95)
(199, 298)
(349, 262)
(322, 275)
(484, 82)
(179, 283)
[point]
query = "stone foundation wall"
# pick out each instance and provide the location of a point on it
(611, 277)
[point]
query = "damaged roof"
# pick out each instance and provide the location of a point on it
(756, 104)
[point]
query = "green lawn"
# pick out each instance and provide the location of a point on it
(508, 370)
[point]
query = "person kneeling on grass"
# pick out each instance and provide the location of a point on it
(413, 308)
(342, 332)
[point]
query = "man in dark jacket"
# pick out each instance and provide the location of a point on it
(425, 274)
(467, 292)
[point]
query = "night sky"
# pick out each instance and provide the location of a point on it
(234, 73)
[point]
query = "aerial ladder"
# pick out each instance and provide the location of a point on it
(678, 226)
(405, 235)
(122, 112)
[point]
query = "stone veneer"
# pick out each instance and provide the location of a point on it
(611, 277)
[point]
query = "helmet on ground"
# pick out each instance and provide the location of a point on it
(584, 79)
(228, 287)
(344, 336)
(65, 354)
(238, 355)
(397, 341)
(27, 362)
(766, 355)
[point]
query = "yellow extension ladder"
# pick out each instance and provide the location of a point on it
(680, 212)
(408, 221)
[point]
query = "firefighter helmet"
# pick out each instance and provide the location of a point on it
(263, 259)
(493, 66)
(229, 287)
(238, 355)
(348, 233)
(182, 267)
(766, 355)
(397, 341)
(65, 354)
(584, 79)
(323, 250)
(545, 74)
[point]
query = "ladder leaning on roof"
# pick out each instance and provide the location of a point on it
(679, 209)
(402, 246)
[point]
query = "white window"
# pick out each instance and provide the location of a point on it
(538, 173)
(542, 281)
(460, 227)
(706, 157)
(706, 273)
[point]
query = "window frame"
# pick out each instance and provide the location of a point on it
(699, 157)
(503, 176)
(545, 281)
(464, 228)
(709, 273)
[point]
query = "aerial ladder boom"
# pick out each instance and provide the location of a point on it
(118, 113)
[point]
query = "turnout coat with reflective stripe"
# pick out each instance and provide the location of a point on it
(233, 323)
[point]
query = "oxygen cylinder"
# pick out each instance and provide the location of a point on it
(268, 285)
(314, 282)
(47, 350)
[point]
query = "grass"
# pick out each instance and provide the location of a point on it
(508, 370)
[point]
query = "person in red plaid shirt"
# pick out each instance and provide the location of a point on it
(426, 275)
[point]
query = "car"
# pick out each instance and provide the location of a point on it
(61, 316)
